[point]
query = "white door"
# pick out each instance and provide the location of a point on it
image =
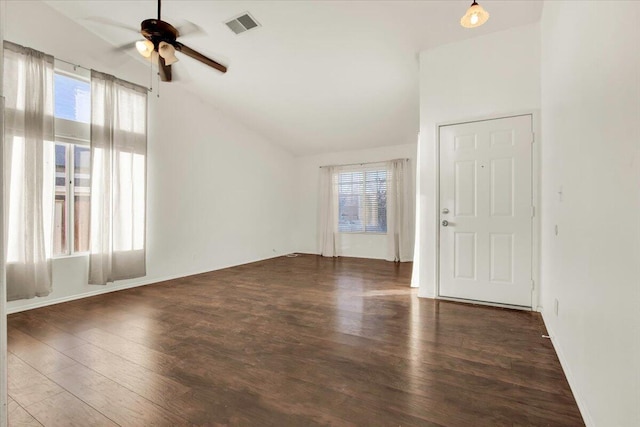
(486, 211)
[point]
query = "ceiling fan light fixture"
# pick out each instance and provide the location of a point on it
(475, 16)
(159, 46)
(168, 53)
(144, 47)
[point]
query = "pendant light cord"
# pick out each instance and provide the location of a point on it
(150, 77)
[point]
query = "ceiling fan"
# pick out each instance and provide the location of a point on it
(160, 44)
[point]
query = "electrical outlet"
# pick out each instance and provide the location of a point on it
(555, 306)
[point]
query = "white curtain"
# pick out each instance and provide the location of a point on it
(118, 179)
(400, 213)
(28, 171)
(328, 236)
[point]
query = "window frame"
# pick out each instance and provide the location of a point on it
(364, 168)
(73, 134)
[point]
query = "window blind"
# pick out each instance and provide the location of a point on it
(362, 201)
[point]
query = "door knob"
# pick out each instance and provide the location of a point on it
(445, 211)
(445, 223)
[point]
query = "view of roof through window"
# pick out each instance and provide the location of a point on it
(72, 99)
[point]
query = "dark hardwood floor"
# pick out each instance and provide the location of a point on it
(285, 342)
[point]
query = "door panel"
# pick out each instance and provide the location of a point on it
(486, 198)
(502, 187)
(465, 256)
(465, 188)
(501, 257)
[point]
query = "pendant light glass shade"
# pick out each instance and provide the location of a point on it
(144, 47)
(474, 17)
(168, 53)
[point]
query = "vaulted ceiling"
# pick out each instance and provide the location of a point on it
(317, 76)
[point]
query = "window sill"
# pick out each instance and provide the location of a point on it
(74, 255)
(370, 233)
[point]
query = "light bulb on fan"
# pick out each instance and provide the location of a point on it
(145, 48)
(167, 52)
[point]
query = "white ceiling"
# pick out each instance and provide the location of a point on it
(318, 76)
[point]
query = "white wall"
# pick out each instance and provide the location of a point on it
(218, 193)
(591, 150)
(305, 230)
(489, 75)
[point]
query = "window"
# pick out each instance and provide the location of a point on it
(72, 98)
(362, 201)
(72, 111)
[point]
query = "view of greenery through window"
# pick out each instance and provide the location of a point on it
(72, 100)
(362, 201)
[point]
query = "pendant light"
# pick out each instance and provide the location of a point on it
(475, 16)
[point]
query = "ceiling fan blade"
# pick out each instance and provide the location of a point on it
(188, 28)
(125, 47)
(112, 23)
(164, 69)
(200, 57)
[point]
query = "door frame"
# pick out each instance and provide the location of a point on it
(535, 201)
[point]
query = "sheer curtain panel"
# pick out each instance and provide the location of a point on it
(400, 213)
(328, 235)
(118, 179)
(28, 171)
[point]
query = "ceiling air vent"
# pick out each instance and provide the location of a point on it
(242, 23)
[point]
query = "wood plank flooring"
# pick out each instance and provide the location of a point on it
(285, 342)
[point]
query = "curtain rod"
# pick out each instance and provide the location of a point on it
(74, 65)
(90, 69)
(360, 164)
(54, 57)
(71, 63)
